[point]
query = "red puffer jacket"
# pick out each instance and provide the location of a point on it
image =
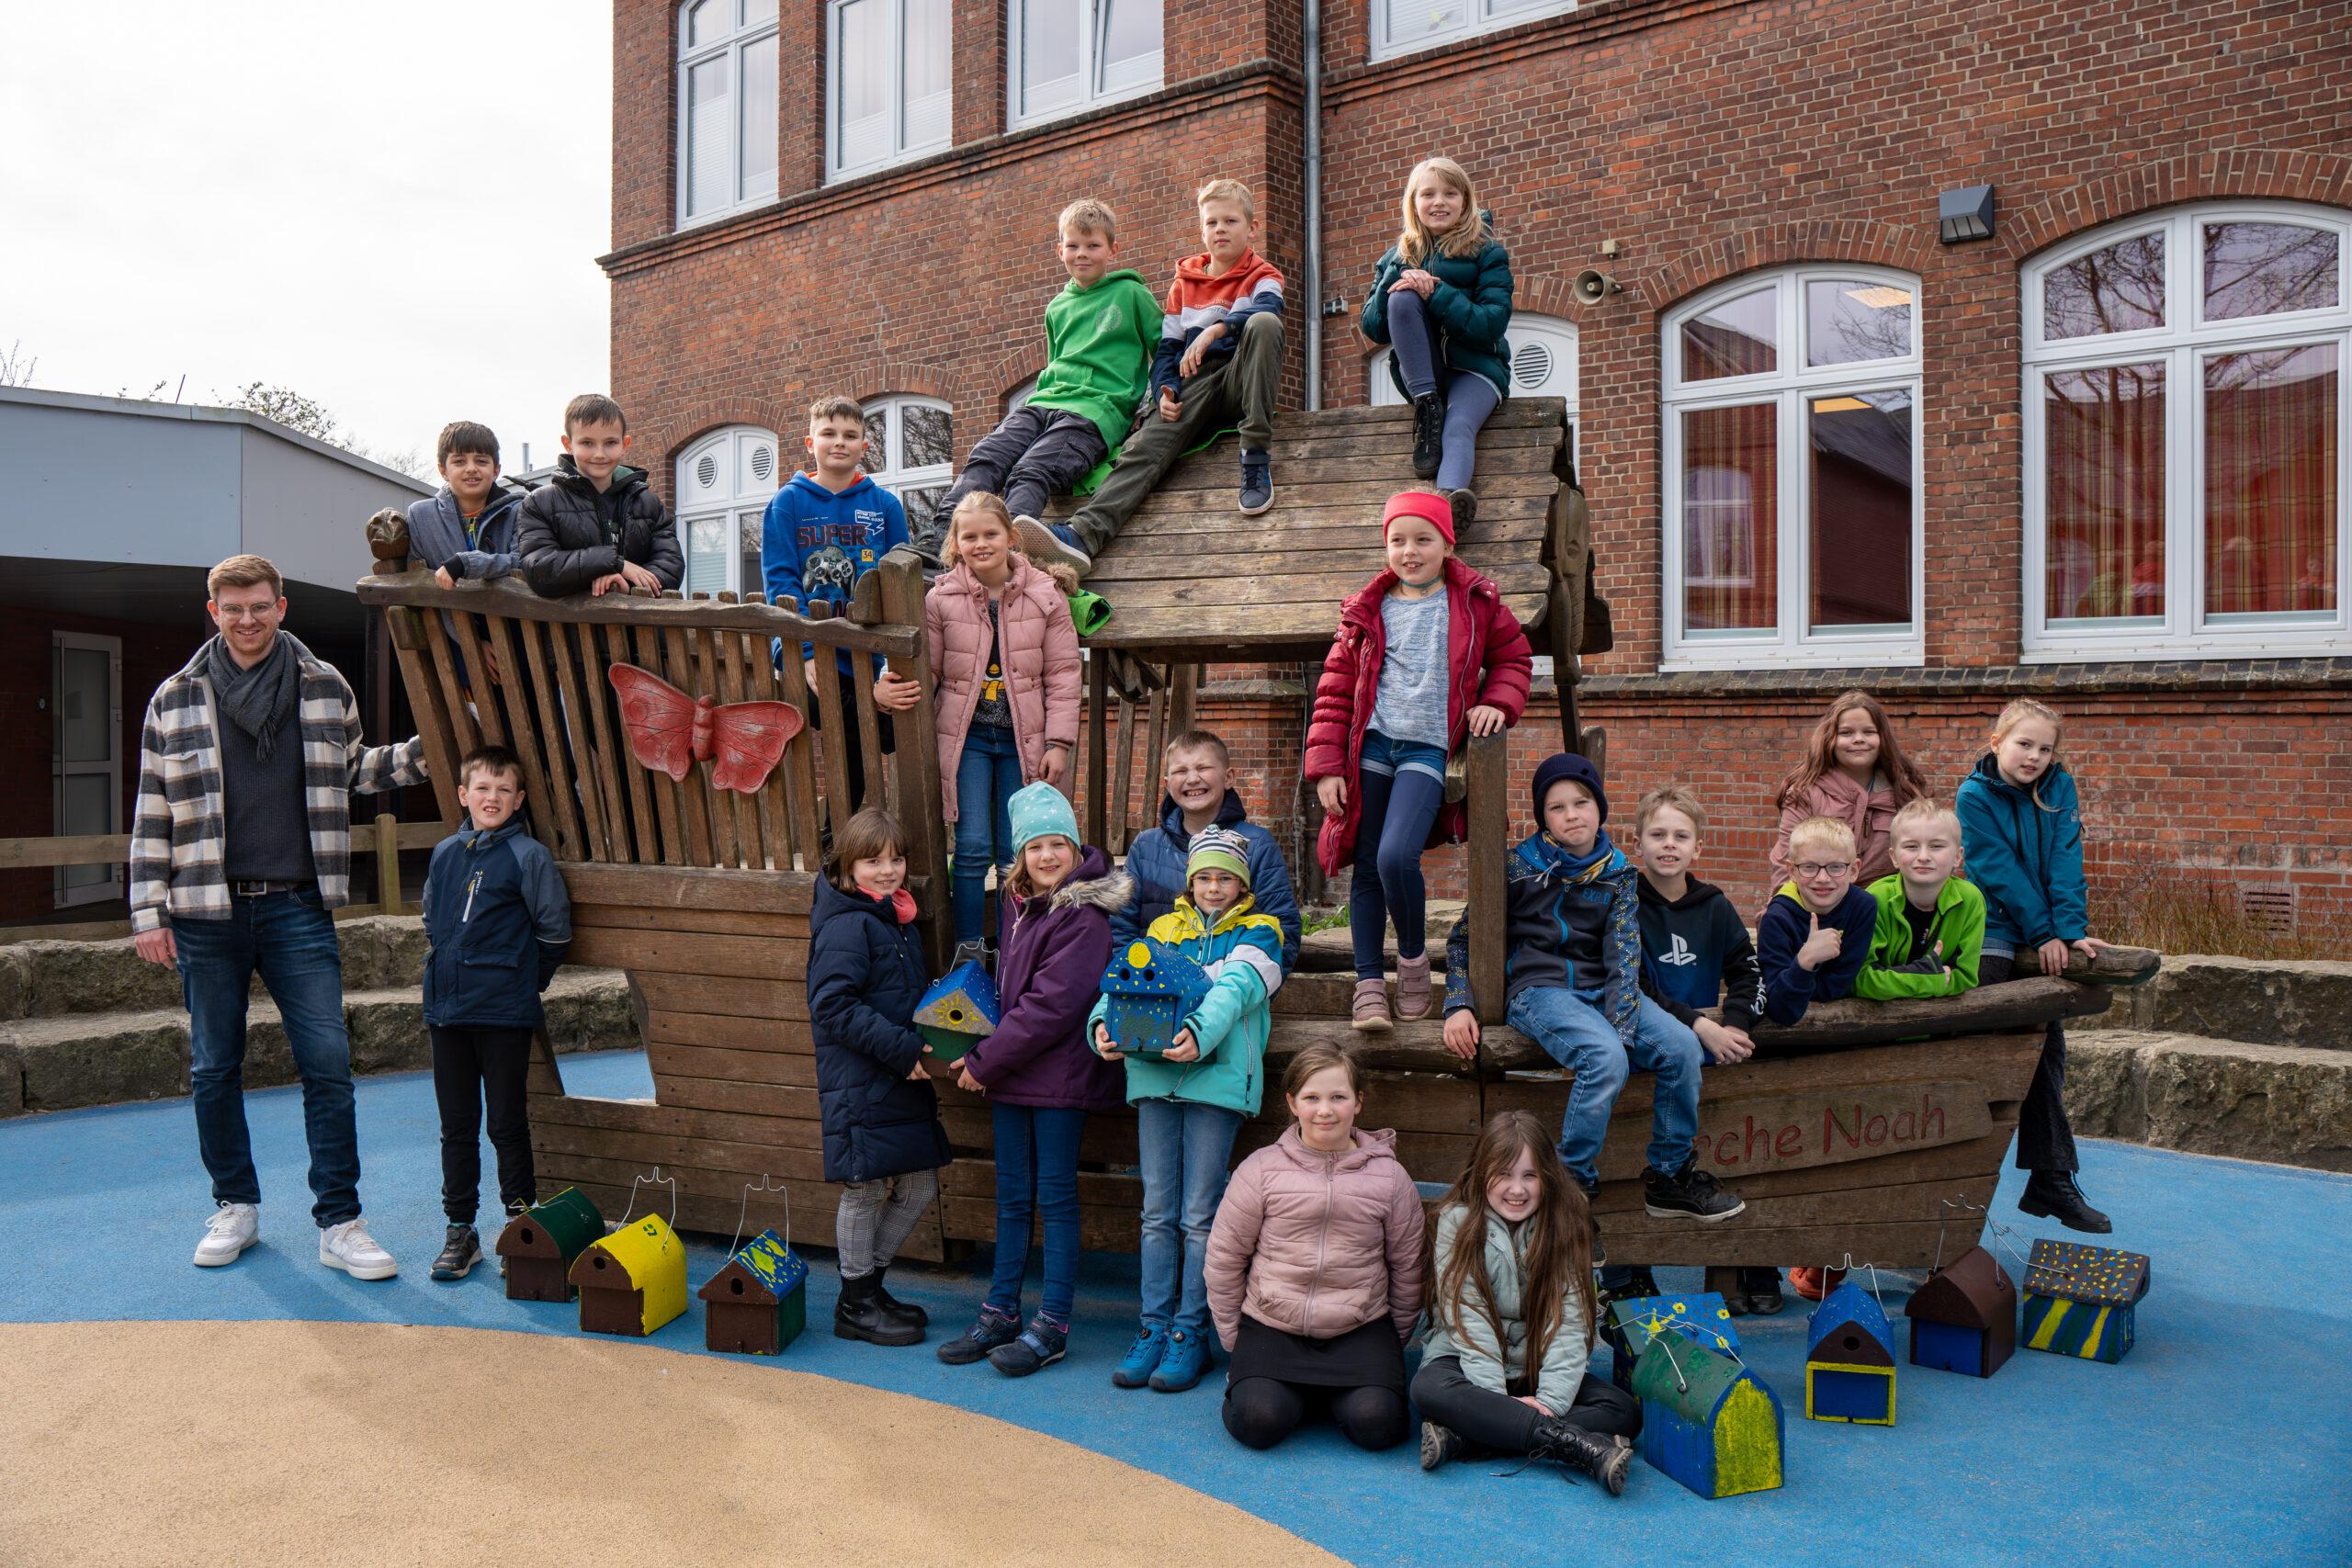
(1486, 653)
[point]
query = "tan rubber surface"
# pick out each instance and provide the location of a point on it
(260, 1444)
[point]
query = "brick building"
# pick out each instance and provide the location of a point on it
(2099, 455)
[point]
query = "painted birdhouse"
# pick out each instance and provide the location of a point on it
(2080, 1300)
(538, 1246)
(1707, 1421)
(1633, 1323)
(633, 1281)
(759, 1303)
(1850, 1361)
(1964, 1318)
(1151, 988)
(958, 1013)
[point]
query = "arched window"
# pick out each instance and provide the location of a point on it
(2186, 435)
(724, 483)
(1543, 365)
(727, 114)
(1791, 471)
(909, 444)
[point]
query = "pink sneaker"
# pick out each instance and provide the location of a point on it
(1372, 1005)
(1413, 987)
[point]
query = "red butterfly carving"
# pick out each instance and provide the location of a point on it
(670, 731)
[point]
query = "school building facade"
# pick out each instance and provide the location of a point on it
(2097, 454)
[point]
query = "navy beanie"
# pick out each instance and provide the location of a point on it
(1568, 765)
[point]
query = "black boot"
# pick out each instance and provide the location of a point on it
(1466, 508)
(1763, 1289)
(1605, 1459)
(859, 1315)
(1429, 433)
(2053, 1195)
(893, 1305)
(1440, 1445)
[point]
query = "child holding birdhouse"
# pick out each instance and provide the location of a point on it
(1192, 1099)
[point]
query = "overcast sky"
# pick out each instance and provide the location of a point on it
(394, 209)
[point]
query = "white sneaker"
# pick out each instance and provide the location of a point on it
(233, 1228)
(349, 1248)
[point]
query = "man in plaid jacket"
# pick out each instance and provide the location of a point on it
(239, 846)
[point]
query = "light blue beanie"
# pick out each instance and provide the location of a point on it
(1039, 809)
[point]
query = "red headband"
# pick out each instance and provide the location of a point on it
(1435, 510)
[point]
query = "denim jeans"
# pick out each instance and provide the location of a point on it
(1185, 1151)
(1400, 785)
(987, 775)
(1576, 1035)
(1036, 1176)
(290, 937)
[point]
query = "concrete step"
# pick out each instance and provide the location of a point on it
(2287, 1104)
(1333, 951)
(54, 979)
(58, 1062)
(2265, 1001)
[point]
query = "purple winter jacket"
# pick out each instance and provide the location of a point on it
(1050, 960)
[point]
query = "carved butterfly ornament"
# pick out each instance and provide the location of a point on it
(669, 732)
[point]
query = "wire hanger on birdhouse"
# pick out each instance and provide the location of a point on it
(656, 1180)
(765, 1184)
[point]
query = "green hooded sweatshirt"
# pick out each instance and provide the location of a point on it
(1098, 351)
(1958, 926)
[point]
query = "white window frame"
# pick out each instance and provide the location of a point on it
(1477, 16)
(1790, 387)
(890, 470)
(2181, 346)
(896, 52)
(738, 496)
(1558, 336)
(68, 891)
(731, 47)
(1094, 94)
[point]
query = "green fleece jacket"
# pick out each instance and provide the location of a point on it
(1099, 344)
(1900, 965)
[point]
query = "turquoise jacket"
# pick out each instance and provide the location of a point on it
(2024, 850)
(1243, 955)
(1471, 305)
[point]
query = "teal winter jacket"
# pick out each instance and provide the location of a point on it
(2024, 850)
(1471, 305)
(1242, 952)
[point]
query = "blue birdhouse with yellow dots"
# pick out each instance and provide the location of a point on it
(1707, 1421)
(958, 1013)
(1630, 1325)
(1849, 1360)
(2080, 1300)
(759, 1303)
(1151, 988)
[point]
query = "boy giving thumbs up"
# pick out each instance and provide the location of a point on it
(1816, 932)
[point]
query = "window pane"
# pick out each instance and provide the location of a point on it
(1847, 321)
(2119, 289)
(748, 529)
(1730, 522)
(863, 75)
(923, 435)
(757, 12)
(929, 111)
(2270, 496)
(921, 502)
(878, 441)
(2104, 492)
(2260, 269)
(1411, 19)
(85, 725)
(1129, 55)
(707, 21)
(706, 555)
(1861, 544)
(1052, 32)
(710, 122)
(1737, 337)
(85, 805)
(759, 118)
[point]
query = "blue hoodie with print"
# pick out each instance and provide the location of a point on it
(815, 544)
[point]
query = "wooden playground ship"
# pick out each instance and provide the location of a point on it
(1862, 1131)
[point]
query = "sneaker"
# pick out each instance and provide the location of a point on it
(1181, 1368)
(2053, 1195)
(1049, 542)
(1687, 1194)
(1257, 482)
(1142, 1359)
(1413, 987)
(1440, 1445)
(233, 1228)
(1428, 435)
(349, 1248)
(459, 1252)
(1039, 1344)
(991, 1329)
(1466, 507)
(1372, 1006)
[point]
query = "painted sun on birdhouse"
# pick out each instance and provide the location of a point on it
(538, 1246)
(1850, 1363)
(958, 1013)
(1151, 988)
(759, 1303)
(1964, 1318)
(633, 1281)
(1707, 1421)
(1633, 1323)
(2081, 1300)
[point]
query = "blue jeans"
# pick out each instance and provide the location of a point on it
(1469, 397)
(1576, 1035)
(1400, 784)
(1037, 1175)
(987, 775)
(290, 937)
(1185, 1151)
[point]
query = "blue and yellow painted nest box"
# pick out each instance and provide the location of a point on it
(633, 1281)
(958, 1013)
(1707, 1421)
(759, 1303)
(1631, 1324)
(1964, 1318)
(1151, 988)
(2081, 1300)
(1849, 1360)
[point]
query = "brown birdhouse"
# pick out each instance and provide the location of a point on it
(538, 1246)
(1965, 1319)
(759, 1303)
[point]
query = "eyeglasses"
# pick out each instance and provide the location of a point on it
(1813, 872)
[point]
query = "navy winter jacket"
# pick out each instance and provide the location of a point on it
(499, 923)
(865, 978)
(816, 544)
(437, 533)
(1155, 866)
(2026, 856)
(1786, 923)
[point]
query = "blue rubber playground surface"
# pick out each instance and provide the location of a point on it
(2225, 1435)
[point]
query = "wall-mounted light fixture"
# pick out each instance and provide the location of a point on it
(1964, 214)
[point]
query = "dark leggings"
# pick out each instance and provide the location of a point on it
(1499, 1423)
(1262, 1411)
(1397, 812)
(1469, 397)
(472, 1065)
(2045, 1138)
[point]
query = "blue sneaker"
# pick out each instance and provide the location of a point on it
(1142, 1359)
(1041, 1343)
(1046, 543)
(1181, 1368)
(1257, 483)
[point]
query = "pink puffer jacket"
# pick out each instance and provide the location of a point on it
(1315, 1243)
(1870, 813)
(1039, 654)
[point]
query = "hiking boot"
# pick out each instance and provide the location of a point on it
(1413, 987)
(1815, 1284)
(907, 1311)
(1372, 1005)
(2053, 1195)
(1181, 1368)
(1048, 542)
(859, 1315)
(1257, 482)
(1687, 1194)
(1466, 507)
(461, 1250)
(233, 1228)
(1581, 1453)
(1142, 1359)
(1440, 1445)
(1041, 1343)
(1428, 435)
(1761, 1289)
(991, 1329)
(349, 1248)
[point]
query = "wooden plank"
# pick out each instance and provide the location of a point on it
(1500, 518)
(914, 768)
(1327, 588)
(727, 808)
(1509, 414)
(734, 1095)
(571, 723)
(1213, 471)
(1488, 768)
(628, 834)
(546, 803)
(1335, 483)
(643, 648)
(693, 789)
(1163, 704)
(1287, 571)
(486, 709)
(689, 887)
(801, 760)
(737, 998)
(802, 1161)
(511, 596)
(714, 958)
(757, 674)
(468, 735)
(832, 745)
(673, 1026)
(570, 824)
(1252, 634)
(1889, 1245)
(1098, 708)
(719, 922)
(789, 1130)
(1114, 1228)
(541, 1076)
(712, 1062)
(2003, 1064)
(869, 734)
(426, 701)
(1184, 702)
(1108, 1139)
(1115, 829)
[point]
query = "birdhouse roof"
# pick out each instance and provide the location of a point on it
(639, 1246)
(963, 1001)
(1850, 1305)
(564, 1224)
(2079, 1272)
(1148, 967)
(1686, 1377)
(767, 1262)
(1700, 1316)
(1973, 1292)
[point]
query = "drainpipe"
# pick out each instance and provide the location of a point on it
(1313, 34)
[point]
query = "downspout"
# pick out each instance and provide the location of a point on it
(1313, 34)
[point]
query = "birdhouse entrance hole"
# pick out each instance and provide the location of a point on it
(1853, 1342)
(735, 1287)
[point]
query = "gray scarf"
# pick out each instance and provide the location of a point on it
(256, 700)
